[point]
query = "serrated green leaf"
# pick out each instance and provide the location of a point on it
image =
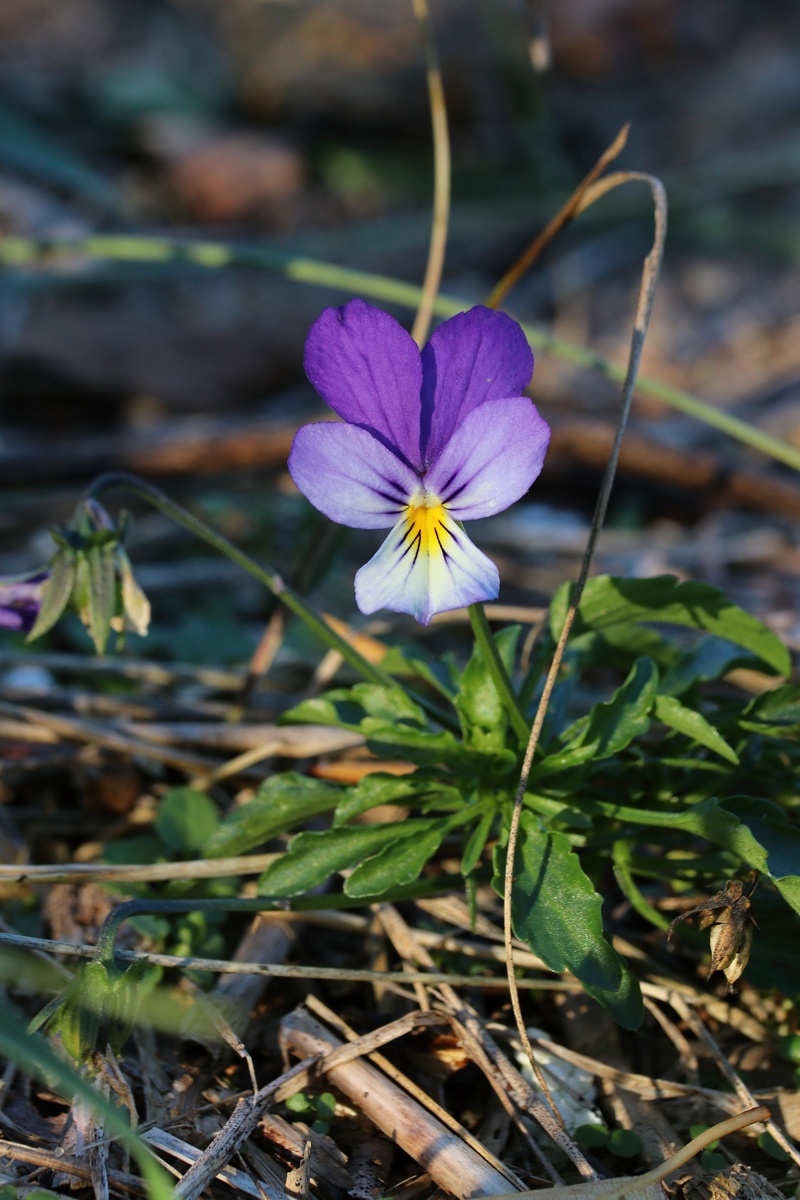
(56, 592)
(280, 804)
(562, 760)
(313, 857)
(612, 725)
(419, 746)
(557, 912)
(187, 820)
(388, 704)
(711, 658)
(756, 830)
(396, 864)
(609, 600)
(774, 713)
(336, 707)
(694, 725)
(419, 790)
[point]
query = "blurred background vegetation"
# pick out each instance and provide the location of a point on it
(303, 125)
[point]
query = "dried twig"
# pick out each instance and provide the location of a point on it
(687, 1013)
(451, 1163)
(644, 308)
(441, 184)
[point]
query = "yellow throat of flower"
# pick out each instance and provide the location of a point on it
(427, 529)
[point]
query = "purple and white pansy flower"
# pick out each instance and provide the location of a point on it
(428, 440)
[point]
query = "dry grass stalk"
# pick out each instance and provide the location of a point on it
(452, 1165)
(396, 1075)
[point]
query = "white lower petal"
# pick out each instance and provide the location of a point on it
(426, 565)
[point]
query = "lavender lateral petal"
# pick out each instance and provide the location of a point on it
(475, 357)
(20, 600)
(350, 476)
(367, 369)
(491, 460)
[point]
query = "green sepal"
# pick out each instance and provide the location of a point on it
(56, 591)
(101, 588)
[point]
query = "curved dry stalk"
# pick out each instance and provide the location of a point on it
(644, 308)
(643, 1187)
(441, 178)
(576, 204)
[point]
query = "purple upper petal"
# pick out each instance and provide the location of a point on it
(474, 357)
(368, 369)
(491, 459)
(350, 476)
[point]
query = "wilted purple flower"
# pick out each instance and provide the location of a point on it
(429, 440)
(20, 600)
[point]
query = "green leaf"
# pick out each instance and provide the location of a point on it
(767, 1143)
(313, 857)
(476, 842)
(758, 832)
(281, 803)
(711, 658)
(556, 910)
(420, 746)
(625, 1143)
(440, 675)
(186, 820)
(694, 725)
(56, 591)
(609, 600)
(336, 707)
(349, 707)
(391, 722)
(400, 862)
(478, 702)
(421, 790)
(612, 725)
(775, 713)
(592, 1137)
(325, 1105)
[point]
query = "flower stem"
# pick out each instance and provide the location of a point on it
(119, 481)
(488, 646)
